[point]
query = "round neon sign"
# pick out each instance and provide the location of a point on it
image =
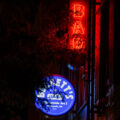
(57, 99)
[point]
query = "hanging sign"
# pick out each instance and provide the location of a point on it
(57, 98)
(78, 28)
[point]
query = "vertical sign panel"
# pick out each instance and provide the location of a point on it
(77, 25)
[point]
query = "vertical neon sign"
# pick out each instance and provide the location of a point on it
(77, 30)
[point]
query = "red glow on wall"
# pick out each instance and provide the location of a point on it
(97, 49)
(77, 30)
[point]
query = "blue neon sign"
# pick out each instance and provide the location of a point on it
(57, 99)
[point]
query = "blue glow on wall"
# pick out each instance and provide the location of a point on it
(71, 67)
(58, 98)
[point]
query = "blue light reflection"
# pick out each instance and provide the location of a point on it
(71, 67)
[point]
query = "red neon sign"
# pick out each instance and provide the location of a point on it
(77, 43)
(77, 29)
(79, 10)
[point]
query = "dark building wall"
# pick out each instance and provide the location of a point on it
(110, 56)
(117, 43)
(104, 46)
(117, 61)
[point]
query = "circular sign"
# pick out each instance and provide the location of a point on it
(57, 98)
